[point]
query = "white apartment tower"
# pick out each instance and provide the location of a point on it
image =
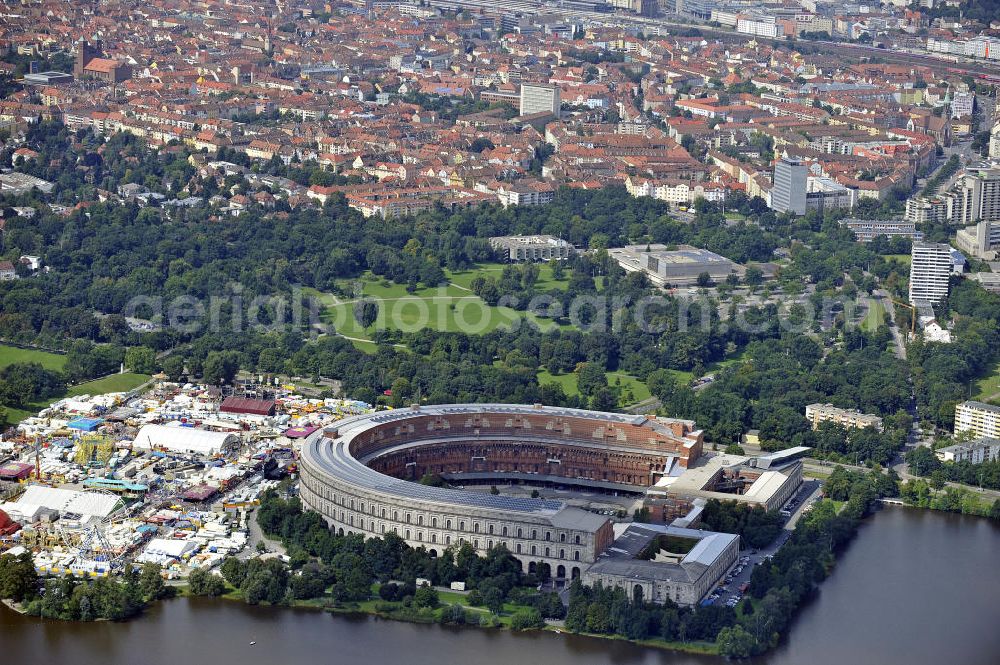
(930, 270)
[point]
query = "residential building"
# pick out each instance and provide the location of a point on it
(979, 418)
(525, 193)
(539, 98)
(790, 186)
(924, 210)
(849, 418)
(975, 452)
(930, 270)
(825, 194)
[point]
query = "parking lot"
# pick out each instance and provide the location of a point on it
(732, 587)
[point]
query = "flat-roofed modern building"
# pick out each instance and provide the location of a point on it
(789, 191)
(539, 98)
(659, 563)
(982, 419)
(866, 230)
(975, 452)
(850, 418)
(677, 267)
(767, 481)
(362, 475)
(981, 241)
(518, 249)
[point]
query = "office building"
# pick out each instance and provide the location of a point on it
(849, 418)
(981, 241)
(975, 452)
(983, 420)
(930, 270)
(768, 481)
(789, 191)
(680, 267)
(539, 98)
(866, 230)
(518, 249)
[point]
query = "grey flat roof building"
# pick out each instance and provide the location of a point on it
(674, 267)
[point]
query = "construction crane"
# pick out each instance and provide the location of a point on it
(913, 314)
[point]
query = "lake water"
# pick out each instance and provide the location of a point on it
(915, 588)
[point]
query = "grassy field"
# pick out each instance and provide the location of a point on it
(546, 282)
(989, 385)
(114, 383)
(626, 382)
(447, 308)
(10, 355)
(875, 316)
(898, 258)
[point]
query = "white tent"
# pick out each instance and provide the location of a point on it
(161, 550)
(184, 439)
(88, 504)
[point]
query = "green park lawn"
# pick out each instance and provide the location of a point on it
(113, 383)
(899, 258)
(875, 316)
(449, 308)
(989, 386)
(10, 355)
(626, 382)
(546, 282)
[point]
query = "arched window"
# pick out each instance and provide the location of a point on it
(534, 550)
(517, 548)
(475, 527)
(548, 535)
(562, 554)
(503, 532)
(578, 539)
(434, 522)
(519, 532)
(406, 534)
(420, 520)
(576, 556)
(562, 537)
